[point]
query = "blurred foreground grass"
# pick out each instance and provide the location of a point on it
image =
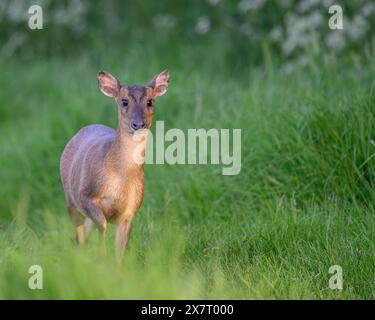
(303, 201)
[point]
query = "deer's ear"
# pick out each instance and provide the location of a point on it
(160, 83)
(108, 84)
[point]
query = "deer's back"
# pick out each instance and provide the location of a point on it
(81, 164)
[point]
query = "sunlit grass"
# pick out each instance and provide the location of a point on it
(304, 199)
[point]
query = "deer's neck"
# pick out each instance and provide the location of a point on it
(126, 153)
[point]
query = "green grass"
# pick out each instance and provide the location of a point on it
(303, 201)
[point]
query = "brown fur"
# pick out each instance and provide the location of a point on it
(102, 181)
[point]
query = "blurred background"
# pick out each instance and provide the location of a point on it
(240, 32)
(302, 94)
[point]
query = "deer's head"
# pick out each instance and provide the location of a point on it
(135, 103)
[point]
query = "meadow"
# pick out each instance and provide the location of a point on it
(303, 201)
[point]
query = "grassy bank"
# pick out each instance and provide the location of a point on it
(303, 201)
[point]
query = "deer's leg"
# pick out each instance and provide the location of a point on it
(88, 226)
(81, 237)
(78, 221)
(95, 213)
(123, 228)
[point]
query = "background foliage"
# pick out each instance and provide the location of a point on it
(240, 29)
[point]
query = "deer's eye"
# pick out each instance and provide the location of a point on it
(149, 103)
(125, 102)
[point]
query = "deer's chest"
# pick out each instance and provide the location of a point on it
(122, 196)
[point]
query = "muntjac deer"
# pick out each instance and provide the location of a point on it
(102, 180)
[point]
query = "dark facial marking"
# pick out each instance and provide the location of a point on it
(137, 93)
(139, 108)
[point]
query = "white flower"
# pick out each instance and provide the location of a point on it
(276, 33)
(305, 5)
(202, 25)
(247, 5)
(17, 11)
(335, 40)
(368, 9)
(300, 30)
(356, 28)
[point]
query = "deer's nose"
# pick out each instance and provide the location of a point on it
(136, 125)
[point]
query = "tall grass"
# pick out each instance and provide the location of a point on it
(303, 201)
